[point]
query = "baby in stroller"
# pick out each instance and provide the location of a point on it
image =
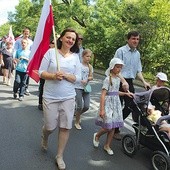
(156, 117)
(150, 112)
(160, 97)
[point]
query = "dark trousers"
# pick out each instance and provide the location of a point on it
(41, 86)
(126, 100)
(20, 82)
(27, 82)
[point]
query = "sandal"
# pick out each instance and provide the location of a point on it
(95, 143)
(60, 163)
(108, 150)
(77, 126)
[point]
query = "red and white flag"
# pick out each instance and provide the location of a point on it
(41, 41)
(10, 36)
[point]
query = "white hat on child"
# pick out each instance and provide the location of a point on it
(112, 63)
(162, 76)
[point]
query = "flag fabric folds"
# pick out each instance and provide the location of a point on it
(41, 41)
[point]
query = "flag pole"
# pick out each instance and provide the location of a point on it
(55, 46)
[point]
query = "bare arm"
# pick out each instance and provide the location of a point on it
(51, 76)
(125, 85)
(90, 77)
(129, 94)
(1, 60)
(102, 103)
(140, 76)
(70, 77)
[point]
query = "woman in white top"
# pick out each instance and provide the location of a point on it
(59, 90)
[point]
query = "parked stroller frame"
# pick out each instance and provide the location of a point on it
(147, 134)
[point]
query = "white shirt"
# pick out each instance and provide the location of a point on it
(84, 76)
(55, 89)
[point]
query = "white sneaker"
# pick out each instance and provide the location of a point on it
(95, 143)
(9, 83)
(20, 99)
(27, 92)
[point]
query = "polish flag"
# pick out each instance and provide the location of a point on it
(10, 37)
(41, 41)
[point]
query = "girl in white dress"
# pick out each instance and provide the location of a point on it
(110, 113)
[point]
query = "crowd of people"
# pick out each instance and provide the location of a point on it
(58, 105)
(15, 56)
(64, 88)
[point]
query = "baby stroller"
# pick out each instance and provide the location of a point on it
(148, 134)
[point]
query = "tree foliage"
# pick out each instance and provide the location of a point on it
(104, 25)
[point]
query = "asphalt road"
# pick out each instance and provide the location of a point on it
(20, 136)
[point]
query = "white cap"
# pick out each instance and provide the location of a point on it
(162, 76)
(112, 63)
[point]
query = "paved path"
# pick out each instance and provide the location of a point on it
(20, 136)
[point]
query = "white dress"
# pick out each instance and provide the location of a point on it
(113, 109)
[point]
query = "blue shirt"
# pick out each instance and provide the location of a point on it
(23, 63)
(131, 59)
(18, 45)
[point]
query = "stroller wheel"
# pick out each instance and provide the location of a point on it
(129, 145)
(160, 161)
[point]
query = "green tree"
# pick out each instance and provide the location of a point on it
(104, 25)
(22, 17)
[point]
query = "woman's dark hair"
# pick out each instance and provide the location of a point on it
(75, 47)
(132, 33)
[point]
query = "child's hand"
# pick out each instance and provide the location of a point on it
(102, 114)
(84, 82)
(15, 61)
(129, 94)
